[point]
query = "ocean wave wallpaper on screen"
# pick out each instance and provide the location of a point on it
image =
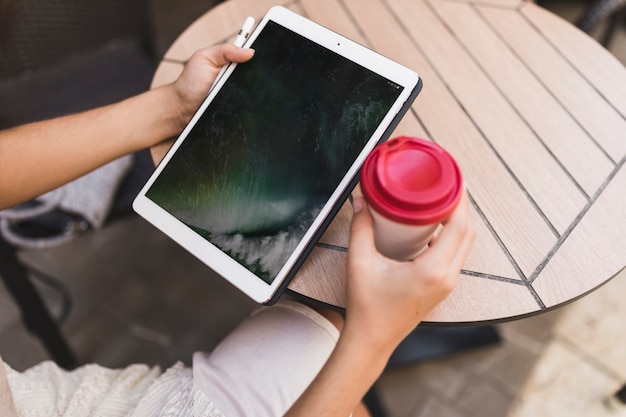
(268, 152)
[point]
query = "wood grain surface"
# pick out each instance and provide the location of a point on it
(533, 110)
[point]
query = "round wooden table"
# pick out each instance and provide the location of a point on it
(533, 110)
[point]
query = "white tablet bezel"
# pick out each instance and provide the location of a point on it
(231, 270)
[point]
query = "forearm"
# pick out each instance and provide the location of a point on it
(38, 157)
(351, 370)
(386, 300)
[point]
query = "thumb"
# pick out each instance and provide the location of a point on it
(361, 229)
(232, 53)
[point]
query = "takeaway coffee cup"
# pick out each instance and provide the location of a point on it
(411, 185)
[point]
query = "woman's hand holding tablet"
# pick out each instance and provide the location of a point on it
(274, 150)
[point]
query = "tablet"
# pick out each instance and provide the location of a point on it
(274, 150)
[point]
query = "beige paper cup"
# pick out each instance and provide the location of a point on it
(411, 186)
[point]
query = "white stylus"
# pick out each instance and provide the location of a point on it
(243, 34)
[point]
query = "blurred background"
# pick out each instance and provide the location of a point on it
(137, 297)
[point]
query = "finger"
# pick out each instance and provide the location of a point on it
(234, 53)
(220, 55)
(227, 53)
(449, 241)
(434, 236)
(362, 229)
(460, 257)
(463, 250)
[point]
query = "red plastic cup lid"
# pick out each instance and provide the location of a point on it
(411, 181)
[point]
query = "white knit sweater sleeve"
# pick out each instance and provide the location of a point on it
(46, 390)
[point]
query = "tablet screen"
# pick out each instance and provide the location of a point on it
(256, 169)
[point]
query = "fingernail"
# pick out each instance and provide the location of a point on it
(357, 204)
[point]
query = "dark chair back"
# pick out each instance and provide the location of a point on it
(38, 33)
(59, 57)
